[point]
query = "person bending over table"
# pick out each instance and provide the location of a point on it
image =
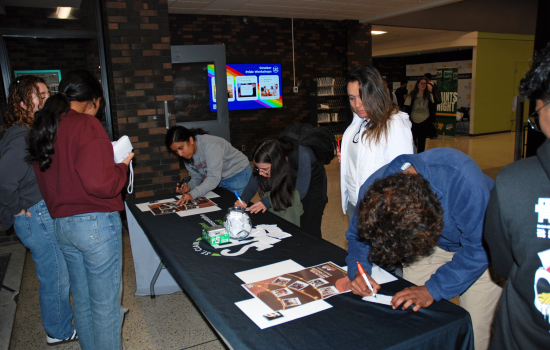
(426, 211)
(274, 179)
(81, 184)
(22, 205)
(210, 160)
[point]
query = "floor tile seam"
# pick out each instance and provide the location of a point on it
(193, 346)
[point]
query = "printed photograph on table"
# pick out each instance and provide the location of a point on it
(172, 207)
(307, 285)
(249, 86)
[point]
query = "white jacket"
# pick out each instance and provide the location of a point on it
(373, 156)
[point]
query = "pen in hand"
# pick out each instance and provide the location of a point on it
(362, 272)
(239, 198)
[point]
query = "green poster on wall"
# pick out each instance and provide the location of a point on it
(447, 81)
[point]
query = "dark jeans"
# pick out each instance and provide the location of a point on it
(420, 132)
(315, 201)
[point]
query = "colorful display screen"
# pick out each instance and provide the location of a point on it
(249, 86)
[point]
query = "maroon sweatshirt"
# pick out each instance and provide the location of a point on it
(83, 177)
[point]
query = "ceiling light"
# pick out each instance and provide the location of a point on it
(377, 32)
(63, 12)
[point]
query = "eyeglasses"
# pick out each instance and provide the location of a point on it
(356, 136)
(533, 119)
(421, 83)
(258, 171)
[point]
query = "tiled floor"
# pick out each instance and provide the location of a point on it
(172, 321)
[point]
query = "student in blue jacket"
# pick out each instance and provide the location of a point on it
(426, 211)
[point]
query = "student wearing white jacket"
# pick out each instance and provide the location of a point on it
(377, 134)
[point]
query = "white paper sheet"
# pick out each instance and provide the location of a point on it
(380, 275)
(209, 195)
(268, 271)
(255, 309)
(379, 299)
(279, 234)
(145, 206)
(198, 211)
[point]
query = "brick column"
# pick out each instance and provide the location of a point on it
(140, 74)
(359, 40)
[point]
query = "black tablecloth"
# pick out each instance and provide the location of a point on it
(351, 323)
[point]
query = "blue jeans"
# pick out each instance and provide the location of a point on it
(37, 234)
(237, 182)
(92, 246)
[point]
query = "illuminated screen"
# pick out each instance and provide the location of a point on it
(249, 86)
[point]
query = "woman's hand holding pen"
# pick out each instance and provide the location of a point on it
(359, 286)
(241, 204)
(183, 188)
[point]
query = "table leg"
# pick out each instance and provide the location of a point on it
(154, 280)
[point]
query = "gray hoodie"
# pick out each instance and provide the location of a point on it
(215, 160)
(18, 186)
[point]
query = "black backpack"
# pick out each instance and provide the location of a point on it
(436, 94)
(321, 140)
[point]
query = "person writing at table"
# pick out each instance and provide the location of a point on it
(426, 211)
(211, 161)
(273, 180)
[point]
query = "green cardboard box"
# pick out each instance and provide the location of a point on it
(215, 235)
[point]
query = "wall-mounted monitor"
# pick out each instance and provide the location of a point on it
(249, 86)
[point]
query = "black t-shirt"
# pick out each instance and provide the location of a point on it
(400, 95)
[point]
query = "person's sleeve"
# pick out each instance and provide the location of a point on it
(497, 237)
(358, 250)
(470, 197)
(213, 156)
(250, 190)
(96, 168)
(196, 177)
(13, 168)
(266, 202)
(304, 172)
(399, 140)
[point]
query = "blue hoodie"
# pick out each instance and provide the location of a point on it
(463, 191)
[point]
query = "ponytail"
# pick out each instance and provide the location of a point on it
(44, 130)
(78, 85)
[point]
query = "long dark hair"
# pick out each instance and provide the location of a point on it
(78, 85)
(21, 90)
(280, 183)
(180, 133)
(425, 95)
(376, 100)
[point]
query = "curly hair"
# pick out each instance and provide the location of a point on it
(401, 218)
(376, 101)
(536, 84)
(21, 90)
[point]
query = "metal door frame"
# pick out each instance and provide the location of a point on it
(208, 53)
(61, 34)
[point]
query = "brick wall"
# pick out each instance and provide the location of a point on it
(322, 48)
(138, 35)
(139, 60)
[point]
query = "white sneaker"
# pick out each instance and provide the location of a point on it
(54, 341)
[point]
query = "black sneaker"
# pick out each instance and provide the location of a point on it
(54, 341)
